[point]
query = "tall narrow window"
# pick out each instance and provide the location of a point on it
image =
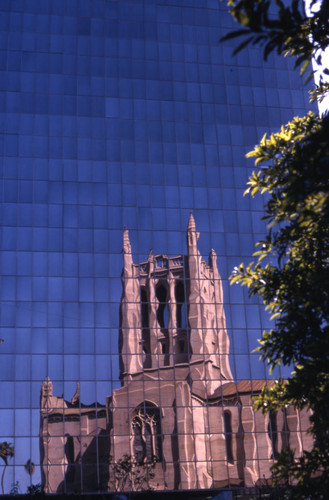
(146, 430)
(139, 447)
(163, 320)
(181, 342)
(146, 329)
(228, 436)
(69, 453)
(273, 434)
(145, 310)
(180, 305)
(162, 312)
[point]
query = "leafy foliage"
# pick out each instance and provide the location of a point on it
(284, 27)
(291, 274)
(127, 475)
(29, 467)
(6, 451)
(320, 91)
(291, 270)
(15, 489)
(35, 489)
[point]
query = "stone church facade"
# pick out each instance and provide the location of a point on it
(179, 417)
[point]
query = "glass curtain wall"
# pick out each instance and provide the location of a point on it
(123, 113)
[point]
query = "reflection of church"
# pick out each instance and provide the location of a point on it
(178, 410)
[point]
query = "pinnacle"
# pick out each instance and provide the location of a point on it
(47, 382)
(126, 241)
(191, 223)
(125, 235)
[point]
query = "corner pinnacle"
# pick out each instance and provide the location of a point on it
(191, 223)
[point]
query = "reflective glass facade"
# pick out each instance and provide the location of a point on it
(113, 114)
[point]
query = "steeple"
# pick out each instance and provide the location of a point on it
(213, 262)
(208, 336)
(76, 398)
(191, 223)
(46, 394)
(46, 388)
(127, 255)
(192, 236)
(126, 241)
(48, 401)
(130, 328)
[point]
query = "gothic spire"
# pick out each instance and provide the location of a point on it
(126, 241)
(213, 261)
(192, 235)
(191, 223)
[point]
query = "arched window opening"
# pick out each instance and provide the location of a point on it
(146, 432)
(273, 434)
(145, 321)
(162, 315)
(145, 309)
(69, 449)
(228, 436)
(162, 311)
(181, 316)
(146, 340)
(69, 453)
(138, 441)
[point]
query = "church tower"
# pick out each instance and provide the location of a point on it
(172, 313)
